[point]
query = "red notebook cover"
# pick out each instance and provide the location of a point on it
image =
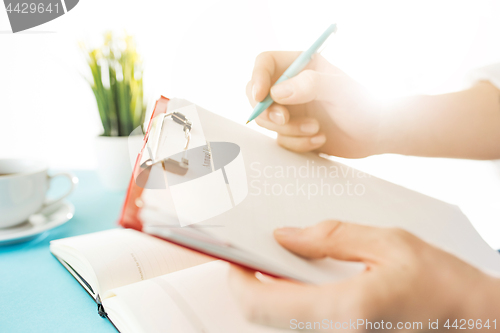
(129, 217)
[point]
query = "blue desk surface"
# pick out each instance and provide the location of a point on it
(37, 294)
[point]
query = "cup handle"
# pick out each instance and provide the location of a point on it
(73, 182)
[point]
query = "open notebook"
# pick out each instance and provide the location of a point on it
(259, 186)
(143, 284)
(290, 189)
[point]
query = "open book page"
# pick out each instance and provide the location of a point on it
(196, 300)
(298, 190)
(117, 257)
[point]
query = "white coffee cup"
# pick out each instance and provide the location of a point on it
(23, 188)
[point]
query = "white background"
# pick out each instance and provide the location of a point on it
(204, 51)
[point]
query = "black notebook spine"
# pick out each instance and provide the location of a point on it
(100, 308)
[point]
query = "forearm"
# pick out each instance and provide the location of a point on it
(464, 124)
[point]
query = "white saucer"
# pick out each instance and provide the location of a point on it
(46, 219)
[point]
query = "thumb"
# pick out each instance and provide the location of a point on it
(343, 241)
(307, 86)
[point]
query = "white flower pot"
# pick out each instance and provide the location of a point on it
(116, 158)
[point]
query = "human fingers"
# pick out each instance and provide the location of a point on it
(276, 114)
(268, 67)
(305, 87)
(347, 241)
(302, 144)
(304, 126)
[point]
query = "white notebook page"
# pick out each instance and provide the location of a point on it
(196, 300)
(123, 256)
(379, 203)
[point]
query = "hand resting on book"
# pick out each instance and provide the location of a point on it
(406, 280)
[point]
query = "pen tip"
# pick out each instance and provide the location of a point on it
(247, 122)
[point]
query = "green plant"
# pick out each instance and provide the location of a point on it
(117, 84)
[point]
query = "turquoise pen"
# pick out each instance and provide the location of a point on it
(294, 69)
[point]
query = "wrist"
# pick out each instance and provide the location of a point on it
(463, 124)
(394, 134)
(407, 129)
